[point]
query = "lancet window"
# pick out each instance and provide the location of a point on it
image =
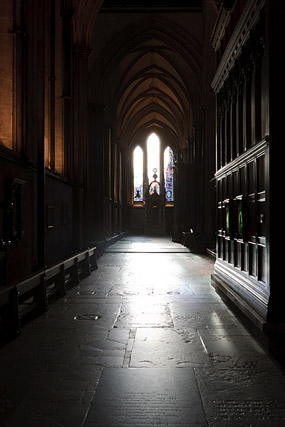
(149, 163)
(138, 174)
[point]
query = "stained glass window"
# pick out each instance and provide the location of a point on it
(154, 188)
(153, 157)
(154, 161)
(138, 174)
(168, 174)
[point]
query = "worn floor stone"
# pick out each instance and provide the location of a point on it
(167, 348)
(144, 341)
(147, 397)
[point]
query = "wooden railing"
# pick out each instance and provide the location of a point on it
(34, 292)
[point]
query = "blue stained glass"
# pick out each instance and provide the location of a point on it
(138, 195)
(168, 174)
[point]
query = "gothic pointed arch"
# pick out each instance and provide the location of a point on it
(149, 74)
(85, 12)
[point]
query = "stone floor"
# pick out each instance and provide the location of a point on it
(144, 341)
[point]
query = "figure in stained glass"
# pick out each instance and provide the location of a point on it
(168, 174)
(153, 164)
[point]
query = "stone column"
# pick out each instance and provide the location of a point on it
(67, 88)
(80, 145)
(124, 187)
(33, 112)
(176, 236)
(96, 167)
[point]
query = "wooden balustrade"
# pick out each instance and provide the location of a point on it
(33, 293)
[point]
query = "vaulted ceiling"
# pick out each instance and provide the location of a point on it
(149, 75)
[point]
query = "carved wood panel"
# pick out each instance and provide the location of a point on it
(242, 209)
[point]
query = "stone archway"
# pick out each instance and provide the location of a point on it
(149, 76)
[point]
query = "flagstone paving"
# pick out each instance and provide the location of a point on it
(143, 341)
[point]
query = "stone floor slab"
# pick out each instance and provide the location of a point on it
(146, 397)
(168, 348)
(144, 313)
(164, 351)
(244, 396)
(206, 314)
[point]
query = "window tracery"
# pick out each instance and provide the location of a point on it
(153, 170)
